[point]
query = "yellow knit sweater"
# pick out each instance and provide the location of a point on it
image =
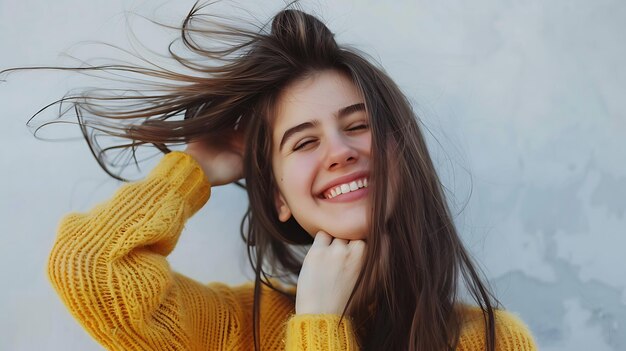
(109, 267)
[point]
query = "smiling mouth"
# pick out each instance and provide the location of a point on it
(342, 189)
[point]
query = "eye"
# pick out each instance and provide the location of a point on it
(360, 126)
(301, 145)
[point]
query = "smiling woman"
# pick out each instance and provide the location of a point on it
(333, 157)
(328, 147)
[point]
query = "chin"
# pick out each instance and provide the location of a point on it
(353, 237)
(354, 234)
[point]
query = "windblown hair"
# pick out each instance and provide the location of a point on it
(415, 290)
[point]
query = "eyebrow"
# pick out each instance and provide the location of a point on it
(343, 112)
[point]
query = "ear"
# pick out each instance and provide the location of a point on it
(284, 213)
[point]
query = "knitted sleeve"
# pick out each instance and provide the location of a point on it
(511, 333)
(320, 332)
(109, 267)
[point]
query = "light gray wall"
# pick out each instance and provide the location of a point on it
(523, 101)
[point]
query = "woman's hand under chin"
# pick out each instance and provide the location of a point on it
(328, 275)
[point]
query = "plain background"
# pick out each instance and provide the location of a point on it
(522, 104)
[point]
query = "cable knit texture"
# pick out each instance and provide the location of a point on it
(109, 267)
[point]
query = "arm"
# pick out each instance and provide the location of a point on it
(109, 266)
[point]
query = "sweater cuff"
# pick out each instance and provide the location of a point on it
(320, 332)
(181, 171)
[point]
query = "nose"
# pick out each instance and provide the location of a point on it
(339, 152)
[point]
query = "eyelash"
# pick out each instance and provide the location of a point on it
(360, 126)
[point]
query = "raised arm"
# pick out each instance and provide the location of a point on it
(109, 265)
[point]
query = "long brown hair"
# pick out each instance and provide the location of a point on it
(415, 290)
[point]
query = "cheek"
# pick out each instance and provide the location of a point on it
(367, 143)
(298, 175)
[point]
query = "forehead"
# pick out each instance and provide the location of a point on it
(318, 97)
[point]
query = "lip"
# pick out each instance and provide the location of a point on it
(351, 196)
(342, 180)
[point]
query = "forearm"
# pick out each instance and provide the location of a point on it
(109, 265)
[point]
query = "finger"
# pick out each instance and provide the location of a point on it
(357, 248)
(356, 243)
(337, 241)
(321, 239)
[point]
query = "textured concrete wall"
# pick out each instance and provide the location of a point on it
(522, 103)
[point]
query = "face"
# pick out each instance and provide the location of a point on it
(321, 156)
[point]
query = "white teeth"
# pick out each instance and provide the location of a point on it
(346, 188)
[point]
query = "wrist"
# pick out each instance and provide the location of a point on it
(301, 310)
(207, 173)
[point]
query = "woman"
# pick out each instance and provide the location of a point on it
(332, 156)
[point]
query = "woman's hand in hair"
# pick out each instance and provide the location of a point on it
(328, 275)
(221, 157)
